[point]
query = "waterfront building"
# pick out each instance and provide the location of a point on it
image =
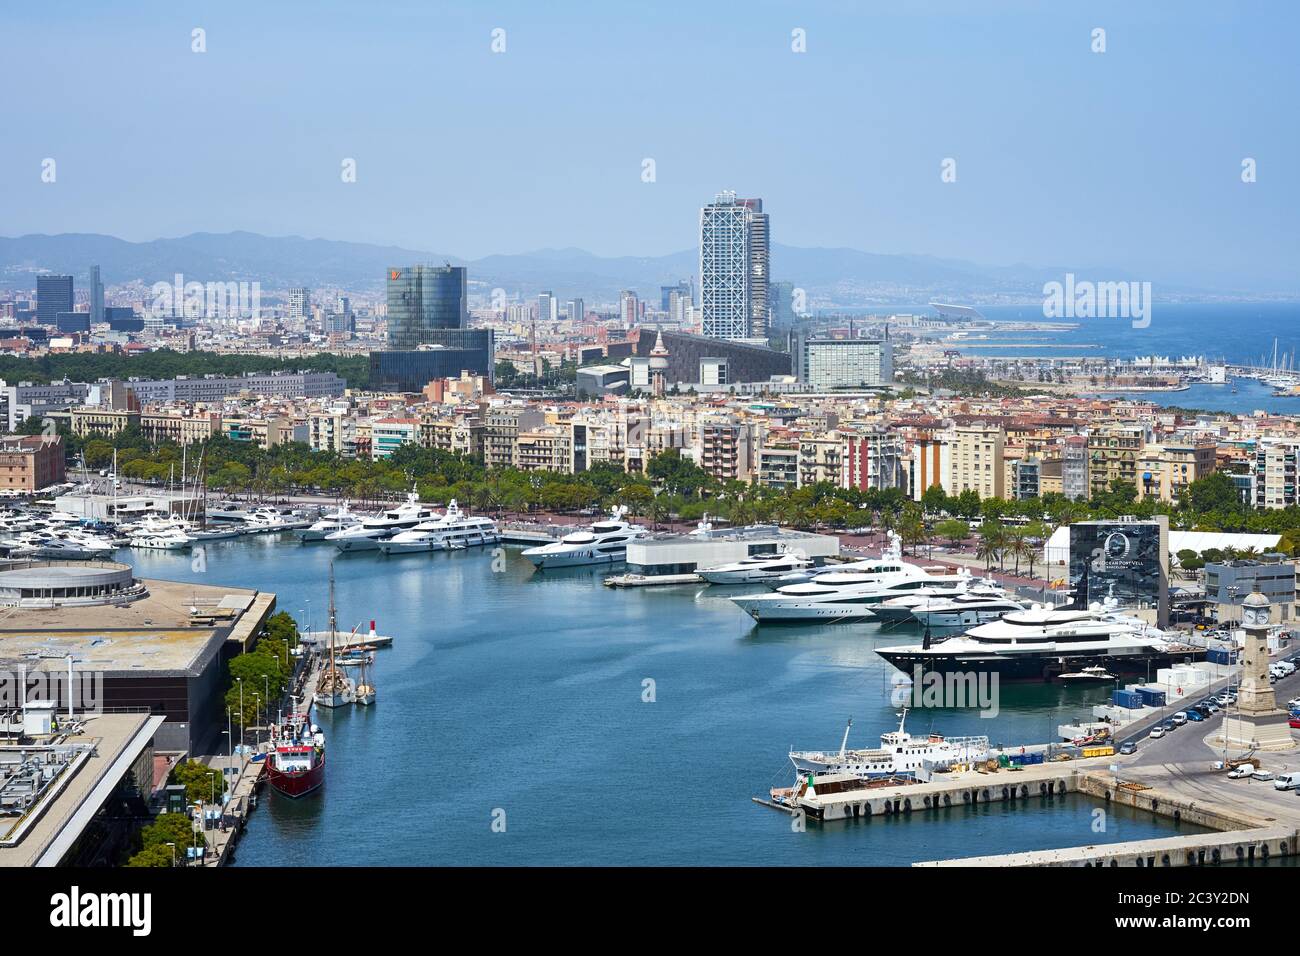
(1124, 560)
(211, 389)
(928, 464)
(688, 553)
(31, 462)
(423, 300)
(262, 432)
(872, 459)
(333, 430)
(460, 434)
(54, 294)
(1227, 583)
(548, 448)
(821, 459)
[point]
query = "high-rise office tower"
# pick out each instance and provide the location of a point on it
(577, 310)
(667, 293)
(780, 306)
(629, 309)
(734, 270)
(53, 295)
(422, 300)
(299, 303)
(548, 308)
(96, 296)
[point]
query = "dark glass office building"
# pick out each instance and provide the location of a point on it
(53, 295)
(122, 318)
(72, 321)
(1124, 560)
(450, 352)
(423, 300)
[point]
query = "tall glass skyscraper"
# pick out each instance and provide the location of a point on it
(734, 243)
(423, 300)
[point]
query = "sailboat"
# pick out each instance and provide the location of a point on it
(335, 688)
(365, 693)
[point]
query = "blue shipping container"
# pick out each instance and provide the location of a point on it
(1128, 699)
(1152, 698)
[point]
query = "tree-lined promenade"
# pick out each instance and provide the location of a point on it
(675, 486)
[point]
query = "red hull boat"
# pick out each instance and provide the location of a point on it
(296, 764)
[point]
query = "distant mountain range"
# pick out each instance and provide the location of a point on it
(831, 277)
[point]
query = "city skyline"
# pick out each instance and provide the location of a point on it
(857, 166)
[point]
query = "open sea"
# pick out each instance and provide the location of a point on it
(521, 693)
(1237, 332)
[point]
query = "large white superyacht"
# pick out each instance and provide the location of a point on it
(605, 542)
(450, 530)
(836, 597)
(367, 535)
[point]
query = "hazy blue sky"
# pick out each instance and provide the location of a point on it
(1065, 157)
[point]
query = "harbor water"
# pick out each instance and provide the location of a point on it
(541, 718)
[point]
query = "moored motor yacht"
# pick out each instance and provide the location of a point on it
(758, 567)
(605, 542)
(900, 754)
(1041, 643)
(450, 531)
(974, 606)
(342, 517)
(367, 535)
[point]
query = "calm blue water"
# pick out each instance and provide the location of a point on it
(1239, 332)
(523, 692)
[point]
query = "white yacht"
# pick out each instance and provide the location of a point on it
(899, 609)
(450, 531)
(975, 606)
(756, 568)
(1041, 643)
(843, 596)
(168, 539)
(367, 535)
(272, 519)
(330, 522)
(899, 755)
(604, 543)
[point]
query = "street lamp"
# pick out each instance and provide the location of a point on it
(173, 846)
(243, 720)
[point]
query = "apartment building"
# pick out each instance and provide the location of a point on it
(389, 434)
(1113, 452)
(778, 468)
(503, 425)
(1074, 468)
(90, 420)
(183, 427)
(1164, 471)
(975, 460)
(726, 449)
(461, 435)
(262, 432)
(548, 448)
(872, 459)
(333, 430)
(821, 458)
(1275, 473)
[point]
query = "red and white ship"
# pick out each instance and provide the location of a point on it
(295, 765)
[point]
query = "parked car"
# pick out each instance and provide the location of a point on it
(1193, 715)
(1157, 732)
(1294, 722)
(1128, 747)
(1200, 709)
(1169, 726)
(1262, 774)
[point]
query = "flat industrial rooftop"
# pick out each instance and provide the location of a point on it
(154, 633)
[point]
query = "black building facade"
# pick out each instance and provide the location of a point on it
(423, 300)
(451, 352)
(745, 363)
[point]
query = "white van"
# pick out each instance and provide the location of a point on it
(1286, 781)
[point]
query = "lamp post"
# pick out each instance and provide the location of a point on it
(173, 846)
(242, 719)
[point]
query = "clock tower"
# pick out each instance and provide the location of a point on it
(1256, 723)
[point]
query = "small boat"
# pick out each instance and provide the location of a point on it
(365, 692)
(1088, 674)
